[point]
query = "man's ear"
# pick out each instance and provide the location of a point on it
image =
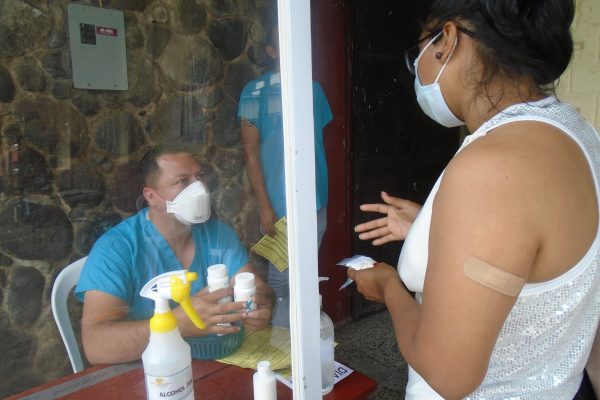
(149, 195)
(272, 52)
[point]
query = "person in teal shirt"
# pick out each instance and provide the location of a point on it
(261, 124)
(156, 240)
(128, 256)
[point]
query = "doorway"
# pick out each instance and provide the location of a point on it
(395, 146)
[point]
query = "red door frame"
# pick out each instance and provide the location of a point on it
(330, 68)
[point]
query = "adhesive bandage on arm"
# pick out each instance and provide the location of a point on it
(493, 277)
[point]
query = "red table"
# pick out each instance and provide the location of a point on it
(212, 380)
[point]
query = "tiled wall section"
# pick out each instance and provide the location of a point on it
(580, 84)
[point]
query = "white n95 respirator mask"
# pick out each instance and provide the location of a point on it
(192, 204)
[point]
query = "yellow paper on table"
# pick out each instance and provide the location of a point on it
(271, 344)
(275, 247)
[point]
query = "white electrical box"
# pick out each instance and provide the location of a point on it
(97, 37)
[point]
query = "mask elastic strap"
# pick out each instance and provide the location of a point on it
(416, 63)
(168, 203)
(437, 78)
(428, 44)
(162, 198)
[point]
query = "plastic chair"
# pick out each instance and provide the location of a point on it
(63, 286)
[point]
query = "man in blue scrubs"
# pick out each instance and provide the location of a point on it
(151, 242)
(262, 136)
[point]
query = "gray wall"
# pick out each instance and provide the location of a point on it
(68, 156)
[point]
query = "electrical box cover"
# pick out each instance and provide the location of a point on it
(97, 37)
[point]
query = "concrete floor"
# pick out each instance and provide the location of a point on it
(369, 346)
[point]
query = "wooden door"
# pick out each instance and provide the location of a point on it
(330, 68)
(379, 138)
(395, 147)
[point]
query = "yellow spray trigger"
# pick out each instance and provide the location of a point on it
(180, 292)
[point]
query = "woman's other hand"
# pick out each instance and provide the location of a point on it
(400, 215)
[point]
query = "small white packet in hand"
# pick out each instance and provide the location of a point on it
(357, 263)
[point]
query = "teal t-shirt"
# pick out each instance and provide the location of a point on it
(129, 255)
(260, 103)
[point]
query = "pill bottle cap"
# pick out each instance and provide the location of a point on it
(245, 280)
(264, 367)
(217, 271)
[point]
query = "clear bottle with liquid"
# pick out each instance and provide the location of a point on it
(327, 352)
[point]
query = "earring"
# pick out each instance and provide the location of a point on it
(439, 55)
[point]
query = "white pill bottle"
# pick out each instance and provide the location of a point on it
(217, 279)
(244, 289)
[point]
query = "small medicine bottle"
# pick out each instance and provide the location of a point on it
(217, 279)
(244, 289)
(263, 382)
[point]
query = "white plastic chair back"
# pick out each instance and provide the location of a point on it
(63, 287)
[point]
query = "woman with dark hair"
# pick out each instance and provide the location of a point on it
(503, 256)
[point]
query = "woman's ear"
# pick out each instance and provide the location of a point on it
(447, 41)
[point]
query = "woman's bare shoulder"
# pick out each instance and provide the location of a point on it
(524, 150)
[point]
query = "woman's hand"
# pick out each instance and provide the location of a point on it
(373, 282)
(400, 215)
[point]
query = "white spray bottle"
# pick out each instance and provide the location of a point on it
(168, 358)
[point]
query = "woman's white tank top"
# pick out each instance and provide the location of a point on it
(545, 342)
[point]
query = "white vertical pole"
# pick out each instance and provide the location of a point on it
(298, 128)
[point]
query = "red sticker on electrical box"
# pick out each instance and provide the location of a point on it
(101, 30)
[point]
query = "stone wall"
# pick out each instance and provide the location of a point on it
(68, 156)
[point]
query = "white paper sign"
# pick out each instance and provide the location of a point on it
(340, 372)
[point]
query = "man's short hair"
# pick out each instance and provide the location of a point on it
(148, 169)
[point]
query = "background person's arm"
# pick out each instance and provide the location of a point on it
(251, 142)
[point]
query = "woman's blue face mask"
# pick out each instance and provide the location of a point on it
(430, 97)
